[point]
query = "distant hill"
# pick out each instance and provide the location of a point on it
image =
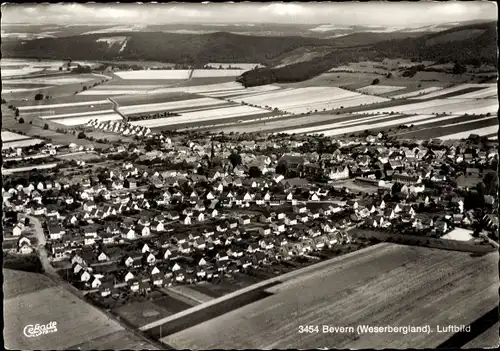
(467, 44)
(160, 46)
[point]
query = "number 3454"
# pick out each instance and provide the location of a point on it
(308, 329)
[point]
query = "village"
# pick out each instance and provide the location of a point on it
(175, 209)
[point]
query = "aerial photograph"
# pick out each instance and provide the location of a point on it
(272, 175)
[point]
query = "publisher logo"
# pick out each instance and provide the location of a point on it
(33, 331)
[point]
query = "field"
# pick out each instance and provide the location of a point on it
(21, 143)
(416, 93)
(457, 89)
(155, 74)
(311, 99)
(77, 322)
(409, 286)
(198, 116)
(204, 73)
(141, 313)
(243, 66)
(9, 136)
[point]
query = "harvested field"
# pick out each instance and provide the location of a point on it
(77, 321)
(200, 89)
(6, 72)
(77, 114)
(54, 80)
(416, 93)
(155, 74)
(408, 286)
(379, 89)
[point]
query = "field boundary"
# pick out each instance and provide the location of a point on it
(414, 240)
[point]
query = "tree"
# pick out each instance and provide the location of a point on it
(46, 126)
(39, 96)
(81, 135)
(17, 112)
(490, 181)
(254, 172)
(458, 68)
(21, 120)
(376, 81)
(389, 75)
(235, 159)
(3, 101)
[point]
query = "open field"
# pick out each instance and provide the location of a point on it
(77, 322)
(51, 106)
(54, 80)
(311, 99)
(416, 93)
(455, 89)
(170, 106)
(451, 106)
(141, 313)
(9, 136)
(120, 340)
(402, 291)
(155, 74)
(197, 116)
(209, 73)
(103, 117)
(243, 66)
(25, 142)
(7, 171)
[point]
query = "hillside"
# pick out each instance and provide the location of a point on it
(467, 44)
(184, 48)
(160, 46)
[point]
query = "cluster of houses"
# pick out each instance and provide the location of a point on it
(195, 213)
(119, 127)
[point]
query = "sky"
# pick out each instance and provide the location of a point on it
(398, 14)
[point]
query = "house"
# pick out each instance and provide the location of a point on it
(18, 229)
(148, 258)
(244, 220)
(55, 232)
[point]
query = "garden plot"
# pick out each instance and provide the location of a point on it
(417, 93)
(463, 135)
(73, 121)
(55, 106)
(454, 89)
(20, 143)
(452, 106)
(206, 115)
(379, 89)
(207, 73)
(167, 106)
(155, 74)
(9, 136)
